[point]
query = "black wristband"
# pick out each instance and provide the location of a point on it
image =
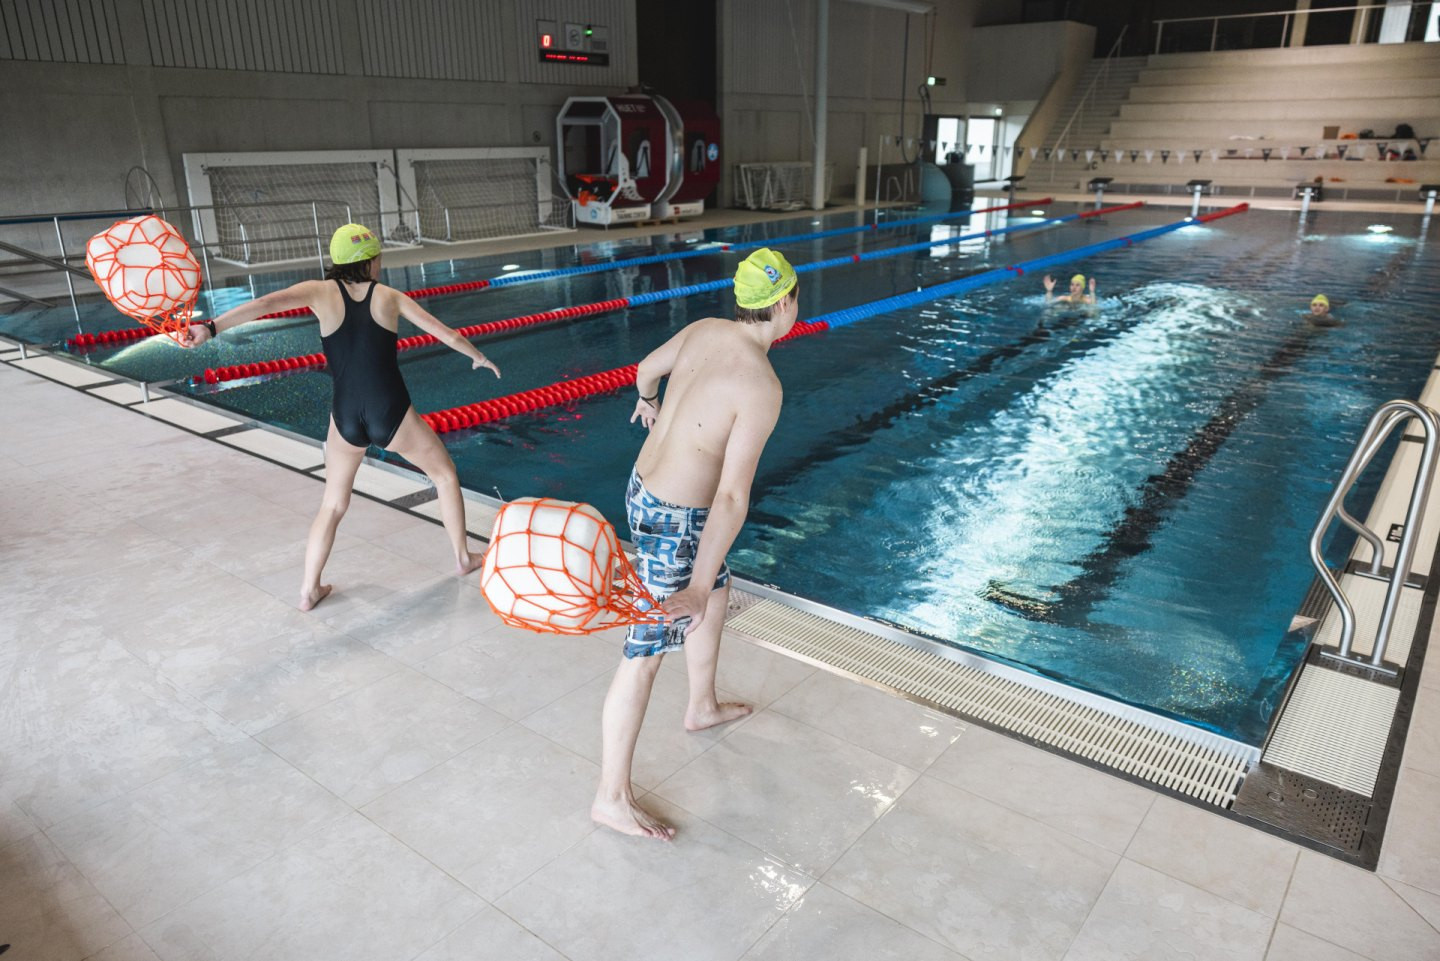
(651, 399)
(210, 326)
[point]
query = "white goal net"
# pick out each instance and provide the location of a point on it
(481, 193)
(779, 186)
(277, 207)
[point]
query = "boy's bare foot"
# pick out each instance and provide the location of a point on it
(722, 713)
(471, 563)
(308, 599)
(627, 817)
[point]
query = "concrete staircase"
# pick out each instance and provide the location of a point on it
(1249, 113)
(1094, 106)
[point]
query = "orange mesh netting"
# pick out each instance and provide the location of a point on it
(147, 271)
(557, 567)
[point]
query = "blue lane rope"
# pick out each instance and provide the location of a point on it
(526, 277)
(850, 315)
(672, 293)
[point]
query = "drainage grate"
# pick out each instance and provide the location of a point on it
(1306, 807)
(1185, 760)
(1334, 728)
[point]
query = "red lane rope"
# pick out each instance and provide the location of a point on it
(125, 335)
(110, 337)
(215, 375)
(560, 393)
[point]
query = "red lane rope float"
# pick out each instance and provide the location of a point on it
(145, 268)
(85, 341)
(215, 375)
(560, 393)
(557, 567)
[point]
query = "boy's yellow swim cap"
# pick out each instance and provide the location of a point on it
(1320, 299)
(762, 279)
(1078, 279)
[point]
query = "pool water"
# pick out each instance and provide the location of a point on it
(1118, 498)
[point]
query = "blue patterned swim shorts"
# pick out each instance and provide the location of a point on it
(666, 537)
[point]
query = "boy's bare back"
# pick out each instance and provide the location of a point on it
(721, 379)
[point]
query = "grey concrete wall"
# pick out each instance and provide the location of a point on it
(75, 121)
(767, 79)
(1021, 61)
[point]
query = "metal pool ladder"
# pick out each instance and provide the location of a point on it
(1381, 426)
(1328, 768)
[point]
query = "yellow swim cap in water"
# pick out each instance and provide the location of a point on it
(1078, 279)
(353, 243)
(1320, 299)
(762, 279)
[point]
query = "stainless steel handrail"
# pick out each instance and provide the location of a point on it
(1382, 424)
(1365, 11)
(1080, 107)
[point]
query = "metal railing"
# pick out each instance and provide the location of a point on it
(1059, 145)
(1361, 27)
(198, 241)
(1390, 415)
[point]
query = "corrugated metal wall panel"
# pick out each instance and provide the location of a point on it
(432, 39)
(61, 31)
(279, 36)
(779, 59)
(616, 15)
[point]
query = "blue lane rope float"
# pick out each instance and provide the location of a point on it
(850, 315)
(565, 392)
(532, 276)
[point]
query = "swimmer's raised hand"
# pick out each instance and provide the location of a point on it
(486, 362)
(1049, 283)
(646, 411)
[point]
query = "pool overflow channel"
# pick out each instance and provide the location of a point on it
(1320, 783)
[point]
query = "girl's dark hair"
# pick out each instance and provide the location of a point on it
(759, 315)
(356, 273)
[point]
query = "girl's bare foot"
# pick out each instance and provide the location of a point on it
(472, 562)
(721, 713)
(308, 599)
(627, 817)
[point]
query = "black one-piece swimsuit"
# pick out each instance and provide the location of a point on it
(370, 399)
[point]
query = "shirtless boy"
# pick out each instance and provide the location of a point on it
(687, 499)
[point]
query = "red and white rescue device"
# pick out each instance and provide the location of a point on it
(147, 271)
(555, 566)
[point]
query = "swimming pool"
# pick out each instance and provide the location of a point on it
(1120, 500)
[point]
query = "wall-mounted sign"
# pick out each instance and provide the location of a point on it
(573, 42)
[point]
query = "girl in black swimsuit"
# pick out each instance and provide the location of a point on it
(358, 321)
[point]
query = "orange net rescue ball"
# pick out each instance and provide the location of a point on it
(147, 271)
(557, 567)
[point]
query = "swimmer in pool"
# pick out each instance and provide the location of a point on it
(1320, 315)
(358, 321)
(1077, 295)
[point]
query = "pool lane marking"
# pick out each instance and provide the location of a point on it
(842, 441)
(216, 375)
(466, 416)
(123, 335)
(1160, 493)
